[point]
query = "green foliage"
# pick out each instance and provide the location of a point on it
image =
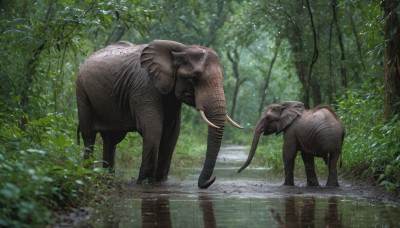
(41, 171)
(43, 50)
(371, 147)
(42, 44)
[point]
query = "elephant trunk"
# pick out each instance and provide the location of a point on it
(216, 115)
(257, 133)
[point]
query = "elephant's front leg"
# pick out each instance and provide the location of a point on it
(289, 156)
(308, 160)
(168, 142)
(151, 145)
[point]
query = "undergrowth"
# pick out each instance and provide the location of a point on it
(42, 174)
(372, 143)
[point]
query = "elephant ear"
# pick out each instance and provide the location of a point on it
(157, 58)
(290, 111)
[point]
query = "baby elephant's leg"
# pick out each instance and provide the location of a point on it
(308, 160)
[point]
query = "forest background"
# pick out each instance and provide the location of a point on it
(339, 52)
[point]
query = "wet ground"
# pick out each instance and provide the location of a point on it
(249, 199)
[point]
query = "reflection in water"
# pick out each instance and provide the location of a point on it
(304, 215)
(299, 212)
(155, 213)
(203, 210)
(207, 207)
(332, 216)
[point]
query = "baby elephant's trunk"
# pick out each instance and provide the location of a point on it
(254, 144)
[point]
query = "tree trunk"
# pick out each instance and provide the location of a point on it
(357, 40)
(316, 90)
(263, 92)
(330, 80)
(295, 37)
(392, 59)
(313, 81)
(235, 66)
(340, 37)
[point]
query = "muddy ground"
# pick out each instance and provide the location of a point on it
(261, 189)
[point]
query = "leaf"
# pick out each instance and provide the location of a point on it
(388, 185)
(41, 152)
(10, 191)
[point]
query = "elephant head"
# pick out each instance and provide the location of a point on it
(275, 119)
(194, 75)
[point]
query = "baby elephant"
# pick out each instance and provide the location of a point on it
(317, 132)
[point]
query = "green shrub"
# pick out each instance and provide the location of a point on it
(372, 144)
(41, 173)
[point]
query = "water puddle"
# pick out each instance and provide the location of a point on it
(204, 211)
(250, 199)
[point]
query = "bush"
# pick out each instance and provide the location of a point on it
(372, 144)
(41, 173)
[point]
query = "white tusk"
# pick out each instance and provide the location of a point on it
(207, 121)
(233, 122)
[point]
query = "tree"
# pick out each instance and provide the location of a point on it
(267, 72)
(38, 44)
(392, 58)
(340, 38)
(235, 59)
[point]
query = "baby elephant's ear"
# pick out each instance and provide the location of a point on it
(290, 111)
(158, 60)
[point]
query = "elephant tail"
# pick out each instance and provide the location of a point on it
(78, 131)
(343, 135)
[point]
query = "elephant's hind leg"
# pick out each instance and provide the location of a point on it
(110, 140)
(88, 141)
(308, 160)
(333, 158)
(86, 126)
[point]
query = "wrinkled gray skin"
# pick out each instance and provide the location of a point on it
(126, 87)
(316, 133)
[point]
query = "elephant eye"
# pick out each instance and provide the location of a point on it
(270, 118)
(194, 75)
(192, 78)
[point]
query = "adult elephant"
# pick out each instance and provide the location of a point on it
(317, 132)
(126, 87)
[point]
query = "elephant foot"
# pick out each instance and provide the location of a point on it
(162, 179)
(312, 184)
(289, 179)
(332, 184)
(144, 181)
(288, 183)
